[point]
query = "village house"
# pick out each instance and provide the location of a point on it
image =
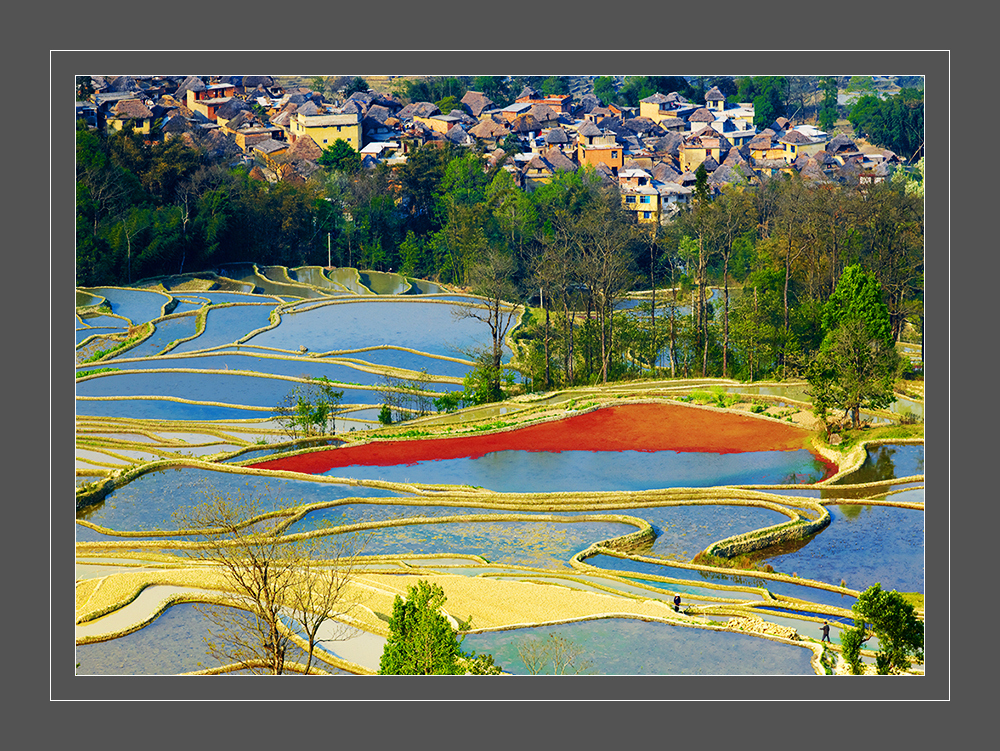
(325, 129)
(595, 146)
(638, 194)
(207, 99)
(131, 113)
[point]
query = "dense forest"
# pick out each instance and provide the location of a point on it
(775, 250)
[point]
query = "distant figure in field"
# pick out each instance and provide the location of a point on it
(826, 632)
(677, 603)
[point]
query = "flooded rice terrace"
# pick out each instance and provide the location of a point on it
(591, 496)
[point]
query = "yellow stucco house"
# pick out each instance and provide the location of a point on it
(325, 129)
(132, 112)
(638, 194)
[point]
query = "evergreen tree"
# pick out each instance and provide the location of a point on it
(421, 640)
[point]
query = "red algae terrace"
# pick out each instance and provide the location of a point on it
(633, 427)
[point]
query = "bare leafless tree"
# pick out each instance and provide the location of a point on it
(268, 581)
(555, 653)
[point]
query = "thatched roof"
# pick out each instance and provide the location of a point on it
(796, 138)
(304, 149)
(656, 98)
(559, 161)
(132, 109)
(476, 102)
(252, 82)
(418, 109)
(556, 135)
(587, 103)
(458, 135)
(714, 95)
(529, 93)
(840, 142)
(488, 128)
(232, 108)
(644, 126)
(525, 124)
(664, 173)
(542, 112)
(702, 115)
(191, 83)
(123, 83)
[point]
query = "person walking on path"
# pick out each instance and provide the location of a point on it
(826, 632)
(677, 603)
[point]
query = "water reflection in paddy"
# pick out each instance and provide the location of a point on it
(682, 531)
(863, 545)
(166, 332)
(171, 644)
(229, 388)
(542, 544)
(888, 462)
(542, 471)
(622, 646)
(228, 325)
(148, 502)
(138, 305)
(351, 325)
(155, 409)
(745, 579)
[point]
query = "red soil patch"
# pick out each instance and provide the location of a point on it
(635, 427)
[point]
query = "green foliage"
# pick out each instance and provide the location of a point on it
(861, 83)
(309, 409)
(554, 85)
(340, 155)
(893, 620)
(385, 415)
(896, 122)
(828, 109)
(494, 88)
(857, 364)
(851, 640)
(769, 95)
(83, 373)
(421, 639)
(355, 85)
(605, 90)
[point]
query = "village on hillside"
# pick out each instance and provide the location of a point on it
(652, 152)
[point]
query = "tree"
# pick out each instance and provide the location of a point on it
(553, 652)
(340, 155)
(355, 85)
(828, 109)
(309, 409)
(266, 579)
(890, 618)
(492, 278)
(606, 90)
(769, 95)
(422, 641)
(857, 363)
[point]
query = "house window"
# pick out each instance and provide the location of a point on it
(643, 199)
(629, 199)
(614, 154)
(647, 214)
